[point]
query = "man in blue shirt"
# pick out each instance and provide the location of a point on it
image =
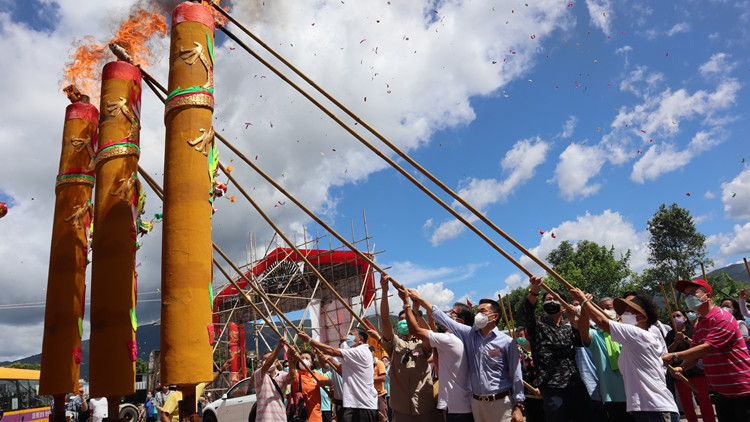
(494, 363)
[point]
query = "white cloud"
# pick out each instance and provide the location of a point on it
(600, 12)
(606, 229)
(394, 67)
(520, 162)
(568, 127)
(736, 195)
(718, 64)
(512, 282)
(735, 243)
(578, 164)
(410, 273)
(664, 158)
(709, 195)
(678, 28)
(436, 294)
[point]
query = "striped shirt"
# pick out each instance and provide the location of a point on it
(270, 403)
(727, 368)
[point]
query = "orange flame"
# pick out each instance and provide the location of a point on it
(217, 16)
(84, 67)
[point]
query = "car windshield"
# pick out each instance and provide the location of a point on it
(242, 388)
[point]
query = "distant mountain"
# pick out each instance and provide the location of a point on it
(148, 337)
(736, 272)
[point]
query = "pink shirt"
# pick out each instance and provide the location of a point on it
(270, 406)
(728, 368)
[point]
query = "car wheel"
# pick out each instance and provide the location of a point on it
(209, 417)
(129, 413)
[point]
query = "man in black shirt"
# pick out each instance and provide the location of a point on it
(565, 396)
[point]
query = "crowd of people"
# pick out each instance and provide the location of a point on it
(583, 359)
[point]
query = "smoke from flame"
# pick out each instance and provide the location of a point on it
(86, 62)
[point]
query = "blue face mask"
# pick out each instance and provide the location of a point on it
(692, 316)
(403, 327)
(693, 302)
(350, 340)
(521, 341)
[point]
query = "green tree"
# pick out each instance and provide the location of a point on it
(676, 248)
(593, 268)
(19, 365)
(141, 366)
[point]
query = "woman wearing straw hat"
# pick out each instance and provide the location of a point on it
(648, 398)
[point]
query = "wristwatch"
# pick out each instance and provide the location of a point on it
(407, 305)
(519, 404)
(533, 294)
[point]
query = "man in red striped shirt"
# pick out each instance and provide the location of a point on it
(718, 341)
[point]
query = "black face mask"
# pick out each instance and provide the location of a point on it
(551, 307)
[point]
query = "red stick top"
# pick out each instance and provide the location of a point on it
(193, 12)
(121, 70)
(84, 111)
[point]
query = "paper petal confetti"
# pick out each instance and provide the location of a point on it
(553, 235)
(229, 169)
(687, 194)
(232, 198)
(540, 231)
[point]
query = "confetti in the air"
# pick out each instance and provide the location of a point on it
(540, 231)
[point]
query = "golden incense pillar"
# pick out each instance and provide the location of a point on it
(113, 297)
(189, 164)
(66, 282)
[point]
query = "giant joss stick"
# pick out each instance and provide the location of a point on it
(116, 211)
(186, 307)
(66, 282)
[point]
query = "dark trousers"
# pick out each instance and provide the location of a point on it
(656, 417)
(566, 404)
(730, 409)
(360, 415)
(534, 409)
(459, 417)
(326, 415)
(616, 411)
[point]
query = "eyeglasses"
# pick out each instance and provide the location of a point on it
(408, 355)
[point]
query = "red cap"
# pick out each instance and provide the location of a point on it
(683, 284)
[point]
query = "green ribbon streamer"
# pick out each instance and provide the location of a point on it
(210, 47)
(191, 90)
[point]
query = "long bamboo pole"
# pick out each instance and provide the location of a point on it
(510, 316)
(393, 147)
(674, 296)
(747, 267)
(669, 309)
(505, 317)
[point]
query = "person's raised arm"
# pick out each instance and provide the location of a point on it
(460, 330)
(272, 358)
(743, 304)
(291, 376)
(414, 328)
(320, 347)
(333, 363)
(583, 324)
(600, 319)
(385, 312)
(536, 286)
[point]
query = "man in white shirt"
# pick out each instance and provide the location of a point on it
(454, 393)
(359, 394)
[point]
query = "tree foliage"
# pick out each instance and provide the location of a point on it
(19, 365)
(676, 248)
(593, 268)
(141, 366)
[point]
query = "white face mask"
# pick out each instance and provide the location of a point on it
(630, 319)
(611, 312)
(304, 364)
(728, 309)
(577, 308)
(481, 320)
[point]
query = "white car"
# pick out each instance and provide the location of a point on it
(233, 406)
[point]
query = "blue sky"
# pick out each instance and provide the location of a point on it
(527, 119)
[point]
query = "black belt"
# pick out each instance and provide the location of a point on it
(492, 397)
